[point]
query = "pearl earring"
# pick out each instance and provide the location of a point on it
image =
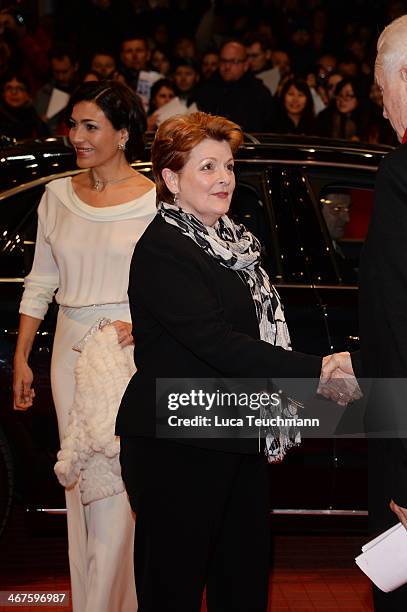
(176, 199)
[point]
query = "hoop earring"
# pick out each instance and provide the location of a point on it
(121, 146)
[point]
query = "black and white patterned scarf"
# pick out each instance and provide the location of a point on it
(234, 247)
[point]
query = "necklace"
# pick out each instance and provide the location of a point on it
(99, 184)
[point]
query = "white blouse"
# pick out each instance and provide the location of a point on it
(83, 251)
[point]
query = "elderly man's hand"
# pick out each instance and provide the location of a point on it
(400, 512)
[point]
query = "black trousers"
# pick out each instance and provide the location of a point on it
(202, 518)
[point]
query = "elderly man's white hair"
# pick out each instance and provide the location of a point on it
(392, 46)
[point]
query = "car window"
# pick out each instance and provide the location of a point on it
(249, 207)
(18, 228)
(303, 255)
(345, 200)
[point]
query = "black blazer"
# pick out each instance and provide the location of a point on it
(383, 307)
(192, 318)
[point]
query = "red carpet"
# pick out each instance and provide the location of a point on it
(309, 573)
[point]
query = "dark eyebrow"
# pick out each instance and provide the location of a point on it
(83, 120)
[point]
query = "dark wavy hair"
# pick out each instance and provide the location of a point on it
(168, 83)
(308, 113)
(120, 105)
(356, 86)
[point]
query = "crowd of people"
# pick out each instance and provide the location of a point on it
(290, 69)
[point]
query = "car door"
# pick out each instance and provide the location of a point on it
(340, 297)
(340, 300)
(272, 203)
(265, 201)
(33, 435)
(277, 203)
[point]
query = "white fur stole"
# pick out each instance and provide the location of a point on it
(89, 449)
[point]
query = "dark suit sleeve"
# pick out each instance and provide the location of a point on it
(177, 289)
(391, 239)
(399, 476)
(390, 231)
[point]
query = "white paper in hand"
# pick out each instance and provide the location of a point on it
(58, 100)
(384, 559)
(146, 80)
(174, 107)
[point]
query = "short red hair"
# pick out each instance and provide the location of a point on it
(178, 135)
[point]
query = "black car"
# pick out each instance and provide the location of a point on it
(283, 187)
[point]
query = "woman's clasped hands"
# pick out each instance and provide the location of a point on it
(338, 382)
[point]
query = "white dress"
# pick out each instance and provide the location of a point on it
(84, 253)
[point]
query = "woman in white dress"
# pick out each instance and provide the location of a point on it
(88, 226)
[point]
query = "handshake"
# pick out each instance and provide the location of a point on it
(338, 382)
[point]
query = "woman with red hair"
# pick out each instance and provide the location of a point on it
(203, 308)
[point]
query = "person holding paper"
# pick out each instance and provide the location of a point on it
(383, 304)
(87, 228)
(52, 98)
(135, 66)
(259, 54)
(162, 92)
